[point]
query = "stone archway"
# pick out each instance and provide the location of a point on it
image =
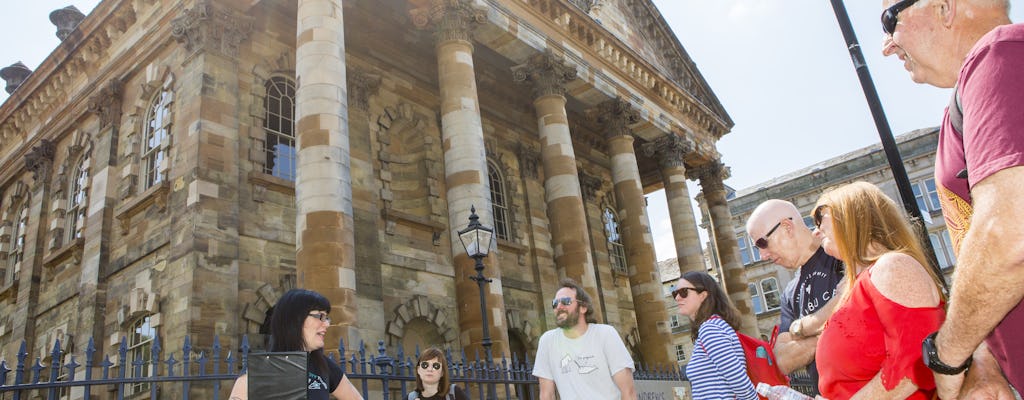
(256, 316)
(415, 318)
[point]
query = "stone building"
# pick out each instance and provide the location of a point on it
(174, 166)
(803, 187)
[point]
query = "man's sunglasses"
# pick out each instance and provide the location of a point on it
(891, 15)
(425, 365)
(762, 243)
(565, 301)
(683, 291)
(818, 214)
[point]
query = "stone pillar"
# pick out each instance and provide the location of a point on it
(669, 151)
(203, 202)
(99, 226)
(644, 279)
(365, 203)
(39, 160)
(547, 74)
(711, 176)
(325, 253)
(465, 164)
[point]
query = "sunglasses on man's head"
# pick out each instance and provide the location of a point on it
(425, 365)
(762, 243)
(891, 15)
(565, 301)
(683, 291)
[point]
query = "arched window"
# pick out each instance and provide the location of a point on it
(156, 131)
(279, 124)
(499, 202)
(140, 350)
(615, 250)
(17, 253)
(77, 202)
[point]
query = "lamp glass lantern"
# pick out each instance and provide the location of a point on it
(476, 238)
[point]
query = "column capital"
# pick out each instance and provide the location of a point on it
(361, 85)
(711, 175)
(451, 19)
(615, 116)
(106, 103)
(547, 72)
(669, 150)
(211, 28)
(40, 159)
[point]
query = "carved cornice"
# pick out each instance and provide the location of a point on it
(669, 150)
(362, 85)
(210, 28)
(615, 117)
(529, 158)
(39, 160)
(451, 19)
(547, 73)
(106, 103)
(711, 175)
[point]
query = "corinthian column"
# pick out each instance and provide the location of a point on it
(465, 163)
(547, 74)
(669, 151)
(644, 280)
(325, 259)
(724, 236)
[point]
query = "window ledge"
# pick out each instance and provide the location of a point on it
(271, 182)
(156, 195)
(511, 246)
(72, 250)
(9, 290)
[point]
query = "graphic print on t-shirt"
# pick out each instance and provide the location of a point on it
(584, 364)
(316, 382)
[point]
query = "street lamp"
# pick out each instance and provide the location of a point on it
(476, 239)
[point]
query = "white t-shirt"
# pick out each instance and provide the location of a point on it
(582, 368)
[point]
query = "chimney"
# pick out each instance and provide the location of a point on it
(15, 75)
(66, 19)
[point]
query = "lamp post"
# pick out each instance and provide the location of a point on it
(476, 239)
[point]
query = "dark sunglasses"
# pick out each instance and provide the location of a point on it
(762, 243)
(683, 291)
(425, 365)
(321, 316)
(891, 15)
(565, 301)
(818, 214)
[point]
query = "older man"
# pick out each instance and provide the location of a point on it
(783, 239)
(971, 45)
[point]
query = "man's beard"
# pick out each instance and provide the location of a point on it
(571, 318)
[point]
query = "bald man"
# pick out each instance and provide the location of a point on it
(782, 238)
(979, 166)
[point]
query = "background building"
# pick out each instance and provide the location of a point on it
(174, 166)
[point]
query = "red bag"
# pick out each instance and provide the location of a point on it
(761, 364)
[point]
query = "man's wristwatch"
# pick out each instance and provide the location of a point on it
(930, 356)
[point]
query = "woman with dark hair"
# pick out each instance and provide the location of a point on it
(871, 345)
(717, 367)
(299, 323)
(432, 378)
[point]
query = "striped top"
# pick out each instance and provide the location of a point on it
(717, 367)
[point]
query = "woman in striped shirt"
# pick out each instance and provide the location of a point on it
(717, 367)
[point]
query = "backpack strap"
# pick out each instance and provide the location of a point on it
(451, 393)
(413, 395)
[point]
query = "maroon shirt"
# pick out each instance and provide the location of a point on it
(991, 86)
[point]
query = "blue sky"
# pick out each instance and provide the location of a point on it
(780, 68)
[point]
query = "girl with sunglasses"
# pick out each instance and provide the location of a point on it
(432, 381)
(871, 345)
(299, 323)
(717, 367)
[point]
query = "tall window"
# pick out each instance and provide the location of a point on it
(77, 202)
(748, 252)
(157, 130)
(755, 295)
(18, 242)
(680, 353)
(140, 349)
(499, 202)
(770, 291)
(280, 127)
(943, 248)
(932, 193)
(674, 321)
(615, 249)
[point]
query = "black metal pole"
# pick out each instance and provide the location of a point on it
(482, 281)
(892, 152)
